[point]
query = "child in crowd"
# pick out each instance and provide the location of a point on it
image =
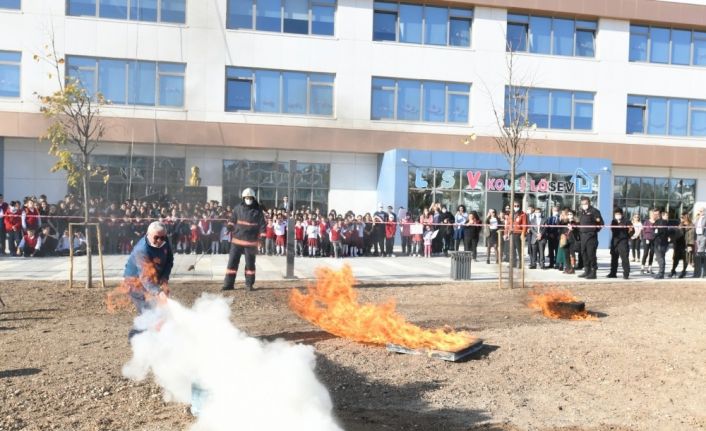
(194, 237)
(299, 237)
(270, 237)
(417, 239)
(335, 236)
(280, 228)
(312, 234)
(428, 233)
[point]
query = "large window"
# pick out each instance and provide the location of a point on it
(270, 180)
(281, 92)
(479, 190)
(637, 195)
(287, 16)
(549, 109)
(411, 100)
(10, 4)
(131, 82)
(138, 176)
(547, 35)
(172, 11)
(422, 24)
(666, 116)
(10, 73)
(667, 45)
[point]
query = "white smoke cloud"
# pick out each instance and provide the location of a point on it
(251, 385)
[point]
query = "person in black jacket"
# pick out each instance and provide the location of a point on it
(662, 239)
(247, 223)
(590, 221)
(446, 231)
(621, 231)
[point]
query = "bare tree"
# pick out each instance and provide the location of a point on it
(74, 133)
(514, 133)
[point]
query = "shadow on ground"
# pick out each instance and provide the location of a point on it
(362, 404)
(20, 372)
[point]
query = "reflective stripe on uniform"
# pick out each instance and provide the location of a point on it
(246, 223)
(231, 271)
(249, 272)
(244, 243)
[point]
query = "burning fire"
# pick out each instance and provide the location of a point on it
(332, 304)
(549, 303)
(118, 299)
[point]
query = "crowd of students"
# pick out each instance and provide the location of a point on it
(33, 227)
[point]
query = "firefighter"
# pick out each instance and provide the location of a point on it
(591, 222)
(621, 230)
(247, 223)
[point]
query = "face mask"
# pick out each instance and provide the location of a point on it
(248, 201)
(555, 214)
(516, 208)
(584, 206)
(618, 217)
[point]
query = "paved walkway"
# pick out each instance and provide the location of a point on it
(212, 268)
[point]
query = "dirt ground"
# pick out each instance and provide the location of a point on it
(640, 366)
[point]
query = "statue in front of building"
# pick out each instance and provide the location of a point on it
(195, 179)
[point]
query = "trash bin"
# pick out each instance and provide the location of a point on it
(461, 265)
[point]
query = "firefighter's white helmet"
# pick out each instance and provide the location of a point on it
(248, 193)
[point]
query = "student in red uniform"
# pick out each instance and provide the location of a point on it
(205, 232)
(335, 235)
(270, 237)
(30, 216)
(30, 244)
(194, 237)
(13, 227)
(299, 237)
(324, 243)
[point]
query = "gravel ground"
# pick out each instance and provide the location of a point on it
(640, 366)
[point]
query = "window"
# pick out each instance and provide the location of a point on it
(129, 82)
(10, 4)
(638, 195)
(547, 35)
(550, 109)
(665, 116)
(171, 84)
(637, 106)
(460, 27)
(420, 24)
(411, 18)
(287, 16)
(281, 92)
(137, 176)
(411, 100)
(173, 11)
(667, 46)
(270, 181)
(10, 73)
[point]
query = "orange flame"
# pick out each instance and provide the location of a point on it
(546, 302)
(332, 304)
(118, 299)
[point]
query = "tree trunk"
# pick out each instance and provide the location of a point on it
(86, 197)
(511, 271)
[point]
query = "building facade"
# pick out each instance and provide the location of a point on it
(350, 88)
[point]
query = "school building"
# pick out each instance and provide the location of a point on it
(376, 100)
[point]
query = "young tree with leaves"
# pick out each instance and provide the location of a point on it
(75, 131)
